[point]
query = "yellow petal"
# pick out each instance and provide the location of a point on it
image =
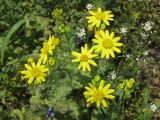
(30, 80)
(90, 99)
(118, 44)
(80, 65)
(116, 49)
(76, 54)
(76, 60)
(27, 67)
(116, 39)
(98, 23)
(107, 33)
(106, 88)
(25, 72)
(106, 21)
(104, 103)
(91, 12)
(109, 91)
(103, 53)
(92, 86)
(92, 62)
(88, 67)
(112, 35)
(103, 34)
(109, 96)
(84, 66)
(101, 84)
(112, 53)
(89, 89)
(98, 103)
(99, 9)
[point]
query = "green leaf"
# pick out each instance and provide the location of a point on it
(9, 35)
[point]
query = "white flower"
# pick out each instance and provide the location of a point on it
(89, 6)
(123, 30)
(128, 56)
(137, 58)
(145, 53)
(153, 107)
(81, 33)
(144, 35)
(148, 25)
(113, 75)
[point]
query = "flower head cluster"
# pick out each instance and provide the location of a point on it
(85, 58)
(36, 72)
(57, 12)
(98, 94)
(123, 30)
(104, 43)
(148, 25)
(89, 6)
(48, 47)
(127, 84)
(81, 33)
(99, 17)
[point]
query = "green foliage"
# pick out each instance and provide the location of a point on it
(25, 25)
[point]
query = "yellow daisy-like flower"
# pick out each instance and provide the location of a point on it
(99, 16)
(107, 44)
(46, 50)
(35, 72)
(55, 40)
(85, 58)
(98, 95)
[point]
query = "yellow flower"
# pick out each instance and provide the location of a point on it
(107, 44)
(130, 83)
(35, 72)
(98, 95)
(85, 58)
(30, 60)
(51, 61)
(46, 50)
(57, 12)
(121, 85)
(90, 28)
(99, 16)
(97, 78)
(54, 40)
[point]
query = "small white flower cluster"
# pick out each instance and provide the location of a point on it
(145, 53)
(89, 6)
(123, 30)
(81, 33)
(128, 56)
(112, 75)
(148, 25)
(153, 107)
(144, 35)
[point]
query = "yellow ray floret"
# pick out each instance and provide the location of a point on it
(85, 58)
(99, 16)
(99, 94)
(35, 72)
(106, 44)
(47, 49)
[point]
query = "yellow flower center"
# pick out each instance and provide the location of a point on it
(35, 72)
(129, 85)
(84, 58)
(98, 95)
(99, 15)
(45, 49)
(107, 43)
